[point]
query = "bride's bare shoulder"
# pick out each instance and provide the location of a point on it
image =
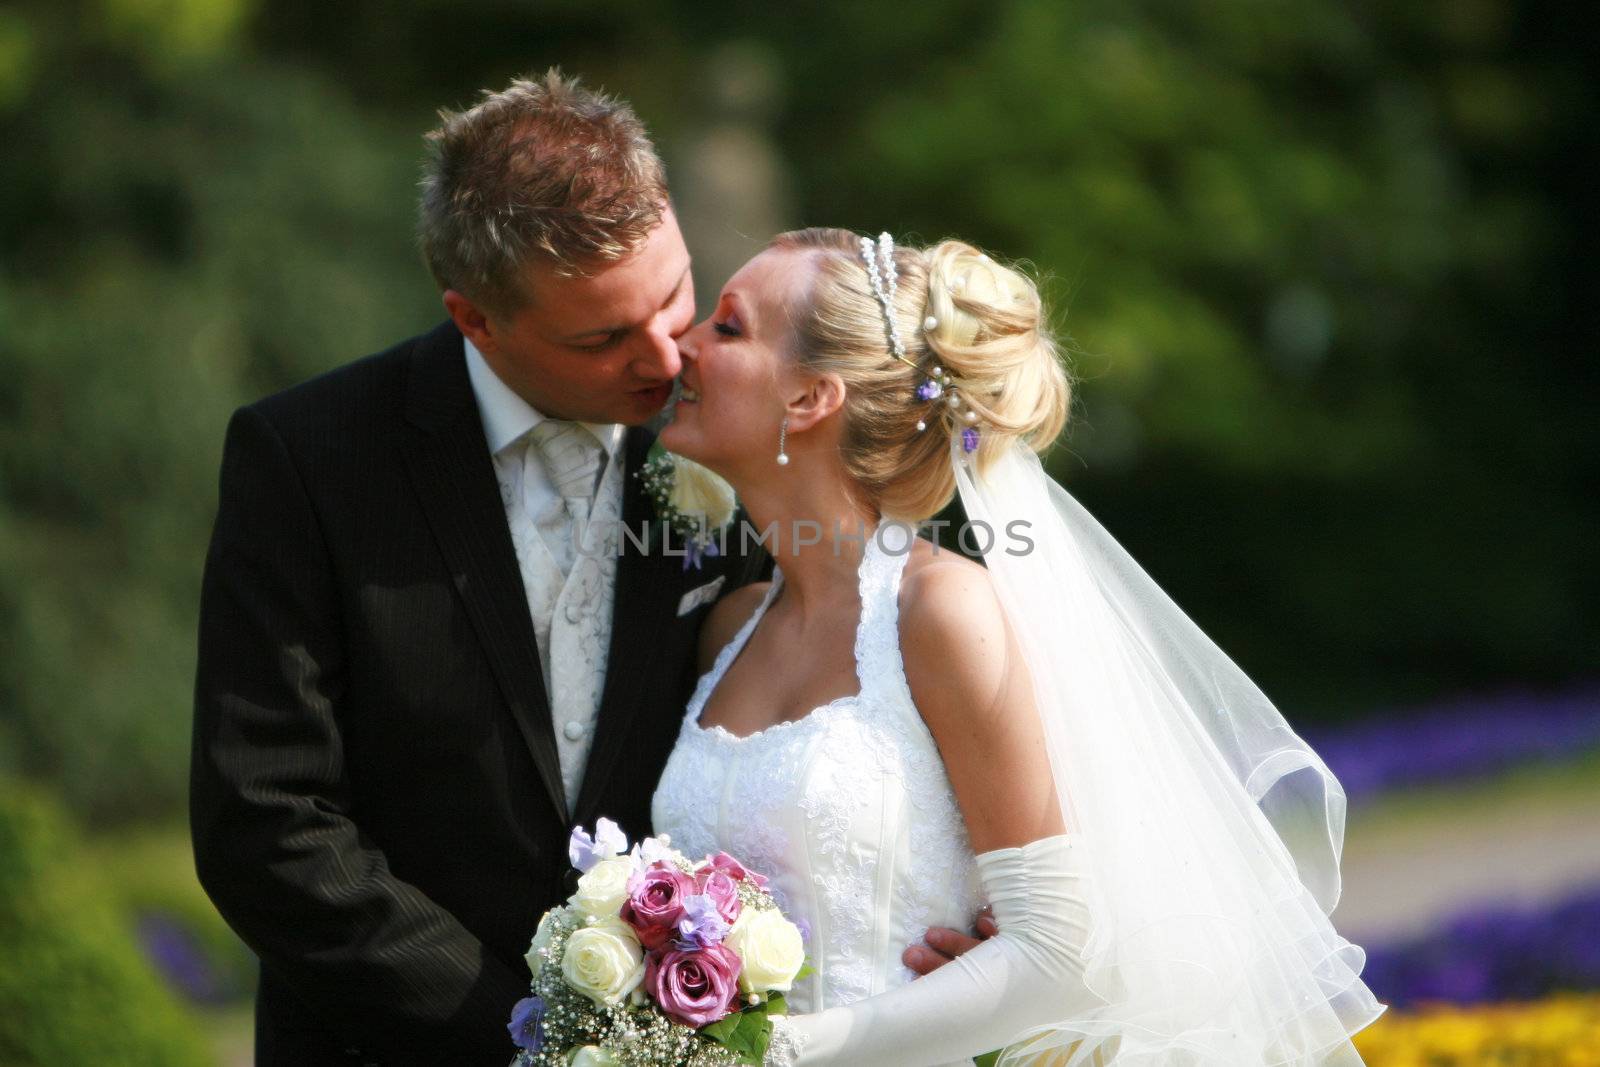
(950, 618)
(725, 618)
(936, 580)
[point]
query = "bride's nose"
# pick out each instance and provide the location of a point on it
(689, 342)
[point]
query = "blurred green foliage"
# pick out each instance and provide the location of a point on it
(1320, 264)
(73, 987)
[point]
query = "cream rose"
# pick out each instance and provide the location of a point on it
(604, 962)
(541, 941)
(603, 888)
(592, 1056)
(771, 949)
(696, 491)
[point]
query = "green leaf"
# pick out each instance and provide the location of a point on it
(987, 1059)
(747, 1033)
(721, 1030)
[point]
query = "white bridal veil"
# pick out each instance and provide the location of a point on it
(1213, 831)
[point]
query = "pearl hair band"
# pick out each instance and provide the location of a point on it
(937, 383)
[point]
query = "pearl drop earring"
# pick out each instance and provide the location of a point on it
(783, 437)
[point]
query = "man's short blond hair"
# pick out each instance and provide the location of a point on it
(543, 170)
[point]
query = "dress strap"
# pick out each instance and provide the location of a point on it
(730, 651)
(878, 663)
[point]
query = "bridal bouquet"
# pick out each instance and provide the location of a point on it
(656, 961)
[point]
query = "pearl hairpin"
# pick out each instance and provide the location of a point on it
(938, 383)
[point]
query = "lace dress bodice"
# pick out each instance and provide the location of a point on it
(847, 810)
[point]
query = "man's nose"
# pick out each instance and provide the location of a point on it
(659, 358)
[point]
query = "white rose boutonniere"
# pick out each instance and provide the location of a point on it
(690, 500)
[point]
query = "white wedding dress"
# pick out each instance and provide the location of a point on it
(848, 810)
(1182, 920)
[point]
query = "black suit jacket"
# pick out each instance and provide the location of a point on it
(376, 801)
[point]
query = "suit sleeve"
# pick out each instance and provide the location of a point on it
(276, 844)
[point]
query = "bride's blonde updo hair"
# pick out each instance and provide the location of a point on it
(989, 333)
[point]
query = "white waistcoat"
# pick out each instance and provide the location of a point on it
(572, 617)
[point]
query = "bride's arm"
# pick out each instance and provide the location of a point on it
(969, 681)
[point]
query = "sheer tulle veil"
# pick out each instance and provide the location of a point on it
(1213, 833)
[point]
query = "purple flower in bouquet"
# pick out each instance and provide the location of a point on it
(734, 869)
(655, 903)
(586, 851)
(695, 988)
(702, 924)
(527, 1024)
(722, 889)
(650, 852)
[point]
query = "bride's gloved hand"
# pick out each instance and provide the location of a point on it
(1028, 975)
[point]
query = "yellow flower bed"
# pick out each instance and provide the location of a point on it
(1559, 1031)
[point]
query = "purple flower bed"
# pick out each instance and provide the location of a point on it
(184, 962)
(1494, 953)
(1459, 739)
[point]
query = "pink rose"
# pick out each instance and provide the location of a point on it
(655, 903)
(695, 988)
(734, 869)
(723, 889)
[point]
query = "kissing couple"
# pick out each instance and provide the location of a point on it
(411, 686)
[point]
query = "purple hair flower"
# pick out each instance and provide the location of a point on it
(969, 439)
(527, 1024)
(930, 390)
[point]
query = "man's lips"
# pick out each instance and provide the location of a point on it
(658, 393)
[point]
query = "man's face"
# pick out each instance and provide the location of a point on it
(593, 349)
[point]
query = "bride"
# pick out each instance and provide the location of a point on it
(895, 734)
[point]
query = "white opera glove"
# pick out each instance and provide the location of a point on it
(1028, 975)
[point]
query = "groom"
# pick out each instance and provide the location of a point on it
(413, 679)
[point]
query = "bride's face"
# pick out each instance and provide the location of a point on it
(737, 369)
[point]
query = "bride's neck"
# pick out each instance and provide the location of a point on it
(817, 532)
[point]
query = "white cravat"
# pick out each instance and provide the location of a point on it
(549, 493)
(572, 459)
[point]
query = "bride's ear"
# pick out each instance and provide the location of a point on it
(819, 397)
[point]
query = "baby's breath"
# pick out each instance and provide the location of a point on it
(657, 475)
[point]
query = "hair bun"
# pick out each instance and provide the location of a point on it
(954, 307)
(991, 336)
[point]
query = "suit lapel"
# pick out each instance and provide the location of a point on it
(449, 464)
(642, 605)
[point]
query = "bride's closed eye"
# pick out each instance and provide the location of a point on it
(728, 327)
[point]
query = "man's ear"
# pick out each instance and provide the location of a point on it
(821, 397)
(470, 320)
